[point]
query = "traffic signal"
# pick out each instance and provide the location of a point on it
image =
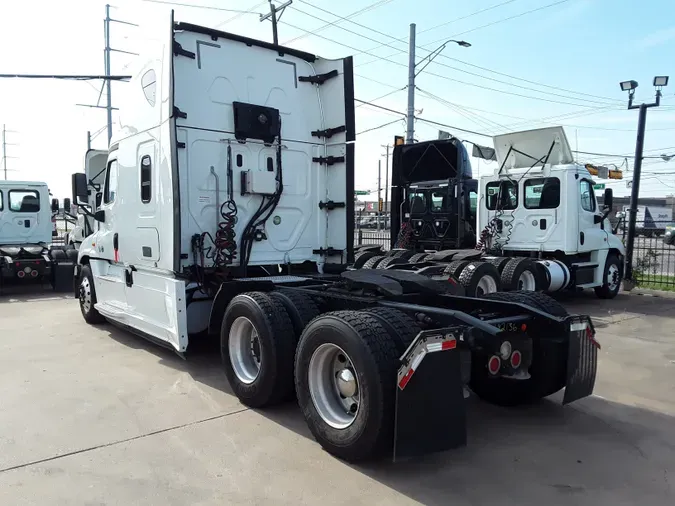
(615, 174)
(399, 140)
(380, 206)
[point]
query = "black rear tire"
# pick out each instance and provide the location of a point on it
(362, 257)
(276, 347)
(372, 262)
(374, 356)
(300, 307)
(607, 291)
(516, 272)
(455, 268)
(499, 262)
(401, 327)
(87, 295)
(417, 257)
(472, 278)
(548, 371)
(391, 261)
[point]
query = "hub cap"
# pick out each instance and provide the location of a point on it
(613, 277)
(244, 348)
(334, 386)
(526, 281)
(487, 284)
(85, 295)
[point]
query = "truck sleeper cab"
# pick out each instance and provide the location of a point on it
(227, 208)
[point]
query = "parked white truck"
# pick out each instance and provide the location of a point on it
(228, 208)
(535, 221)
(650, 221)
(27, 226)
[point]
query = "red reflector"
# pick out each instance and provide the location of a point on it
(494, 364)
(590, 335)
(449, 345)
(405, 379)
(523, 327)
(452, 280)
(515, 359)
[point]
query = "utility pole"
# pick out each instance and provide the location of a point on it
(108, 84)
(412, 74)
(410, 130)
(4, 151)
(272, 14)
(386, 180)
(379, 193)
(630, 86)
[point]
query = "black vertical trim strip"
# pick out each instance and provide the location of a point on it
(350, 134)
(175, 178)
(350, 121)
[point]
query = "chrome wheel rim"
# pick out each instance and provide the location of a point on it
(486, 284)
(244, 348)
(613, 277)
(85, 295)
(333, 386)
(526, 281)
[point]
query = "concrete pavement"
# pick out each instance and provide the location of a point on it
(93, 415)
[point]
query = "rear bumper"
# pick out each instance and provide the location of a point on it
(25, 268)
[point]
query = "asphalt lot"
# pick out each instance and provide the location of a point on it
(93, 415)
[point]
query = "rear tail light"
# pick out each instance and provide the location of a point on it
(494, 364)
(20, 274)
(34, 274)
(505, 350)
(516, 359)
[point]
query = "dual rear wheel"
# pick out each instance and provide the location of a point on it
(341, 365)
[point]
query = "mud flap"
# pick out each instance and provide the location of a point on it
(430, 411)
(62, 276)
(582, 359)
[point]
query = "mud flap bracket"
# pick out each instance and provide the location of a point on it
(582, 359)
(430, 411)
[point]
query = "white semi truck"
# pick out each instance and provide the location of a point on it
(27, 227)
(533, 224)
(228, 207)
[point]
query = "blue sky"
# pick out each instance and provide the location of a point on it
(569, 56)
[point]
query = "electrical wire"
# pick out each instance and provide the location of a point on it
(180, 4)
(375, 5)
(237, 16)
(378, 127)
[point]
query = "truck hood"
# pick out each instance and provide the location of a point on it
(536, 144)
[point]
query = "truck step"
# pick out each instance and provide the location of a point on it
(585, 265)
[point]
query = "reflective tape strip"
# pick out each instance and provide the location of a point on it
(576, 327)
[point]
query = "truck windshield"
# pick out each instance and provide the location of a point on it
(501, 195)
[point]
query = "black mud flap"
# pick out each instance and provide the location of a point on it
(582, 360)
(430, 411)
(62, 276)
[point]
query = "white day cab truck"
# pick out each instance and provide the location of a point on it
(534, 224)
(27, 227)
(228, 208)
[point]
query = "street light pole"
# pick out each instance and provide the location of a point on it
(412, 74)
(630, 86)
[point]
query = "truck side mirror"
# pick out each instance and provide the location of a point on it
(66, 205)
(100, 215)
(55, 205)
(608, 199)
(79, 187)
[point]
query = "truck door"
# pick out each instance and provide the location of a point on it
(592, 236)
(107, 269)
(20, 217)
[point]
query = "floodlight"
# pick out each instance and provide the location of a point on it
(628, 85)
(661, 81)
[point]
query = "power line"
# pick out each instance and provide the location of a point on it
(237, 16)
(375, 5)
(66, 77)
(179, 4)
(380, 126)
(445, 65)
